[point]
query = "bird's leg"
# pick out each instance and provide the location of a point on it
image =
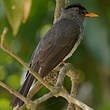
(63, 62)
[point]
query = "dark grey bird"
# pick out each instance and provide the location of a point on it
(58, 44)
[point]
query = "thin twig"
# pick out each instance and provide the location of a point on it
(34, 90)
(61, 76)
(14, 92)
(45, 97)
(74, 101)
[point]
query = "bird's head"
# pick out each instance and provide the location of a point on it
(76, 11)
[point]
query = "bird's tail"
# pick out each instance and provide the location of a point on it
(23, 91)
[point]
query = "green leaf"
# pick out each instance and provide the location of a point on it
(14, 12)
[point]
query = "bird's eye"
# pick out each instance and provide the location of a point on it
(83, 13)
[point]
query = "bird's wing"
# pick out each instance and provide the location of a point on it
(55, 45)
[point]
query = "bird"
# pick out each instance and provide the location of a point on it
(57, 45)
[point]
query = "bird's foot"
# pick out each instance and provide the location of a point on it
(63, 62)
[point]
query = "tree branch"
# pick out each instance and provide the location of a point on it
(12, 91)
(60, 4)
(71, 72)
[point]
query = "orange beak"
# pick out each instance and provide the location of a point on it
(91, 15)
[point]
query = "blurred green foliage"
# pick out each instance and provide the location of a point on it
(91, 59)
(14, 11)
